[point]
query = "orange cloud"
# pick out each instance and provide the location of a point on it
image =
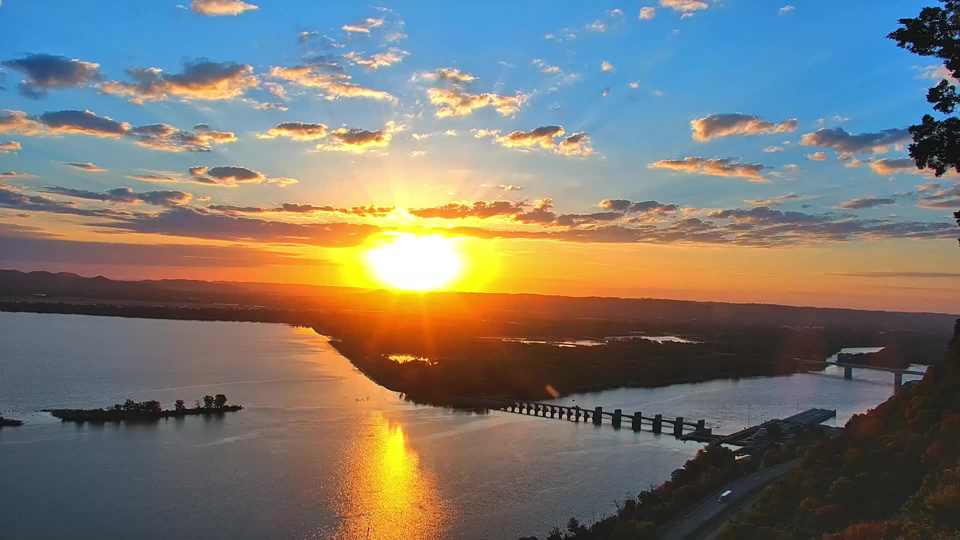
(726, 167)
(723, 125)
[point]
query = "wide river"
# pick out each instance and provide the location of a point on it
(320, 451)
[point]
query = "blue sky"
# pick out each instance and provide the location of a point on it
(790, 69)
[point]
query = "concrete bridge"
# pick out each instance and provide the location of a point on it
(848, 370)
(597, 414)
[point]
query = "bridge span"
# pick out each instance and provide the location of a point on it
(848, 370)
(597, 414)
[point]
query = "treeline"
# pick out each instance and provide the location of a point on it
(469, 359)
(893, 473)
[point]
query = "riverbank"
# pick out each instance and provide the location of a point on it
(10, 422)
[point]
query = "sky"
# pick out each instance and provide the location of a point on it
(729, 150)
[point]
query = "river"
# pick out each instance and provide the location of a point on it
(320, 451)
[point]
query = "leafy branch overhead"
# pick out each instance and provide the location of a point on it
(936, 32)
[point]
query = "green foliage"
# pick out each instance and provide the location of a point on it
(936, 32)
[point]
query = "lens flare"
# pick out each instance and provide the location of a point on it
(416, 263)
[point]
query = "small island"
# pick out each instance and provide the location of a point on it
(145, 411)
(9, 422)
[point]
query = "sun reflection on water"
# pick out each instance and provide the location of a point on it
(383, 493)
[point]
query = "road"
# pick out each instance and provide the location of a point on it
(743, 489)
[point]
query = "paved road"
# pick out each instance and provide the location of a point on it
(743, 489)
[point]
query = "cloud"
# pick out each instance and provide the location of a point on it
(776, 201)
(124, 195)
(219, 8)
(606, 66)
(449, 75)
(922, 275)
(726, 167)
(29, 244)
(15, 174)
(642, 207)
(10, 146)
(38, 203)
(684, 6)
(463, 210)
(226, 175)
(359, 140)
(293, 208)
(577, 144)
(847, 143)
(456, 102)
(298, 131)
(887, 167)
(866, 202)
(597, 26)
(89, 167)
(816, 156)
(201, 79)
(283, 182)
(563, 78)
(378, 60)
(161, 137)
(46, 71)
(948, 198)
(363, 27)
(543, 137)
(784, 10)
(166, 138)
(647, 13)
(773, 149)
(83, 122)
(191, 222)
(723, 125)
(335, 85)
(510, 187)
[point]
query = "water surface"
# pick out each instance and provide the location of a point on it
(319, 451)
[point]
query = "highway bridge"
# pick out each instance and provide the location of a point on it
(848, 370)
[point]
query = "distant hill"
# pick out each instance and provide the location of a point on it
(48, 286)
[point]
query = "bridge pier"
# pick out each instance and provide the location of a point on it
(658, 424)
(597, 415)
(897, 381)
(576, 414)
(678, 427)
(701, 425)
(617, 413)
(847, 372)
(637, 418)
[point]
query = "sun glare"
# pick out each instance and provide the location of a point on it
(416, 263)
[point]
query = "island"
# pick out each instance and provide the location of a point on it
(9, 422)
(145, 411)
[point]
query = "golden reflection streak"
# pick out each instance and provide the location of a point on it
(383, 493)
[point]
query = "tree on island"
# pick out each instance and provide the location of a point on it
(179, 405)
(219, 401)
(207, 402)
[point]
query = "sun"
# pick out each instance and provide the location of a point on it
(416, 263)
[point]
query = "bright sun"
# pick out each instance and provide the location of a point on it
(416, 263)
